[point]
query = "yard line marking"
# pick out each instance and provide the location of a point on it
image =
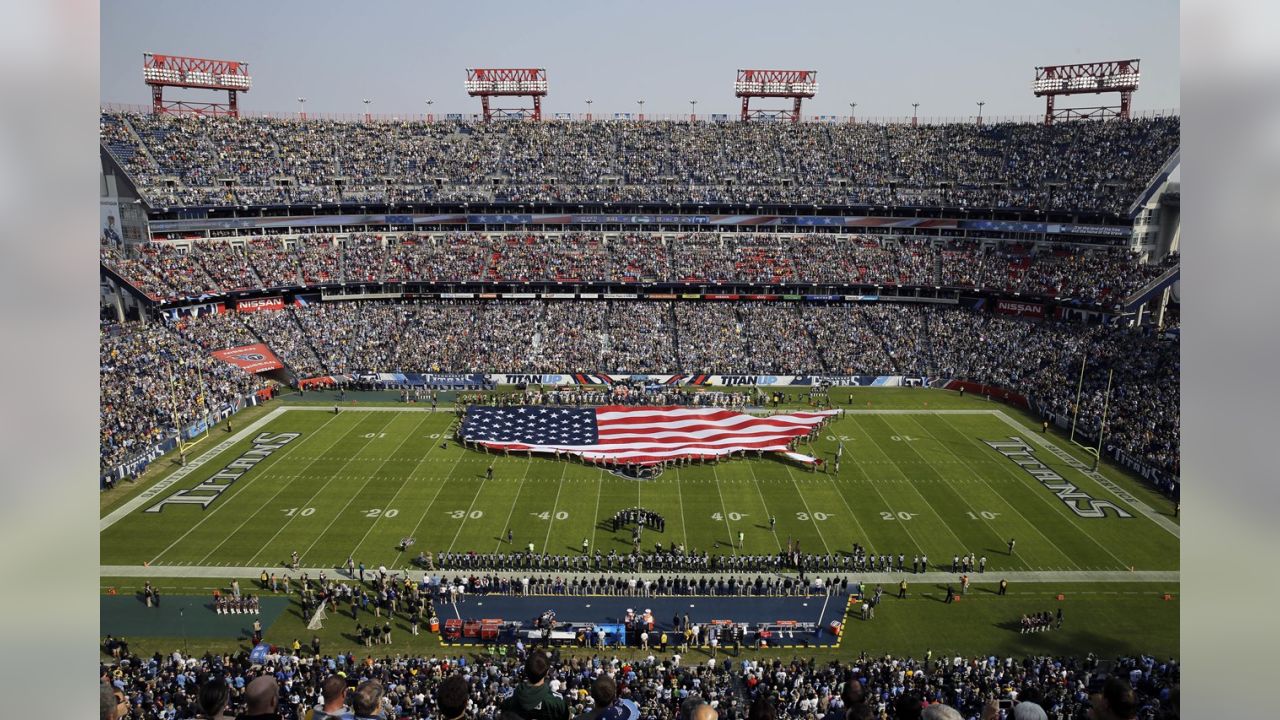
(556, 503)
(1134, 503)
(806, 509)
(471, 507)
(528, 464)
(1003, 500)
(595, 519)
(684, 528)
(405, 483)
(724, 510)
(1059, 509)
(174, 477)
(273, 459)
(359, 492)
(331, 478)
(906, 481)
(427, 509)
(756, 481)
(875, 486)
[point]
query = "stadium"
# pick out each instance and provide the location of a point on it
(763, 414)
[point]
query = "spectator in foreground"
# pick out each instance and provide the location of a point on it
(367, 701)
(213, 698)
(1117, 701)
(939, 711)
(334, 692)
(262, 696)
(452, 697)
(534, 699)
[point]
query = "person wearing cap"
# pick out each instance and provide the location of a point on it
(334, 694)
(534, 698)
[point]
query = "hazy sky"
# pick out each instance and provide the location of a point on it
(946, 55)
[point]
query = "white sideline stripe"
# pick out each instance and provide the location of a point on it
(362, 408)
(204, 516)
(1120, 494)
(177, 475)
(1028, 576)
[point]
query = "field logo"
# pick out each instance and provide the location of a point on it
(637, 472)
(1023, 455)
(209, 490)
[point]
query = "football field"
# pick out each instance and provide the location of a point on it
(939, 482)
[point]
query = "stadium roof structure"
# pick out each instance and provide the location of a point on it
(795, 84)
(161, 71)
(508, 82)
(1095, 78)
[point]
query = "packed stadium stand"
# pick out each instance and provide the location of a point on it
(201, 161)
(652, 688)
(988, 296)
(166, 271)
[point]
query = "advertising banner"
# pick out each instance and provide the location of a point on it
(250, 358)
(1017, 307)
(256, 304)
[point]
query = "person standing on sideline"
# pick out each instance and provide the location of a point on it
(902, 589)
(1011, 544)
(773, 521)
(740, 537)
(982, 564)
(585, 546)
(1004, 587)
(488, 473)
(951, 595)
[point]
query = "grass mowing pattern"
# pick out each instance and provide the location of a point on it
(357, 482)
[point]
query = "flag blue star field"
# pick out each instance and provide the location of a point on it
(636, 434)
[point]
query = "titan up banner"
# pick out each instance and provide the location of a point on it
(250, 358)
(256, 304)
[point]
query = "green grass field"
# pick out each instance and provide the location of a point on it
(357, 482)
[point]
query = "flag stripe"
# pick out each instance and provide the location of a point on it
(637, 434)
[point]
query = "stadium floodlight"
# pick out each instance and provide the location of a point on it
(508, 82)
(161, 71)
(795, 84)
(1120, 76)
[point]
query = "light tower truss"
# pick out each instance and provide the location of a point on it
(508, 82)
(1118, 76)
(161, 71)
(795, 84)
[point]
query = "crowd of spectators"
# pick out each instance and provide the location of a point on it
(661, 685)
(1099, 276)
(180, 161)
(1035, 358)
(155, 380)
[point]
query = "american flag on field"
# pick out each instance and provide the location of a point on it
(636, 434)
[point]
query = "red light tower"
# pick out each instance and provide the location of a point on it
(797, 84)
(161, 71)
(501, 82)
(1101, 77)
